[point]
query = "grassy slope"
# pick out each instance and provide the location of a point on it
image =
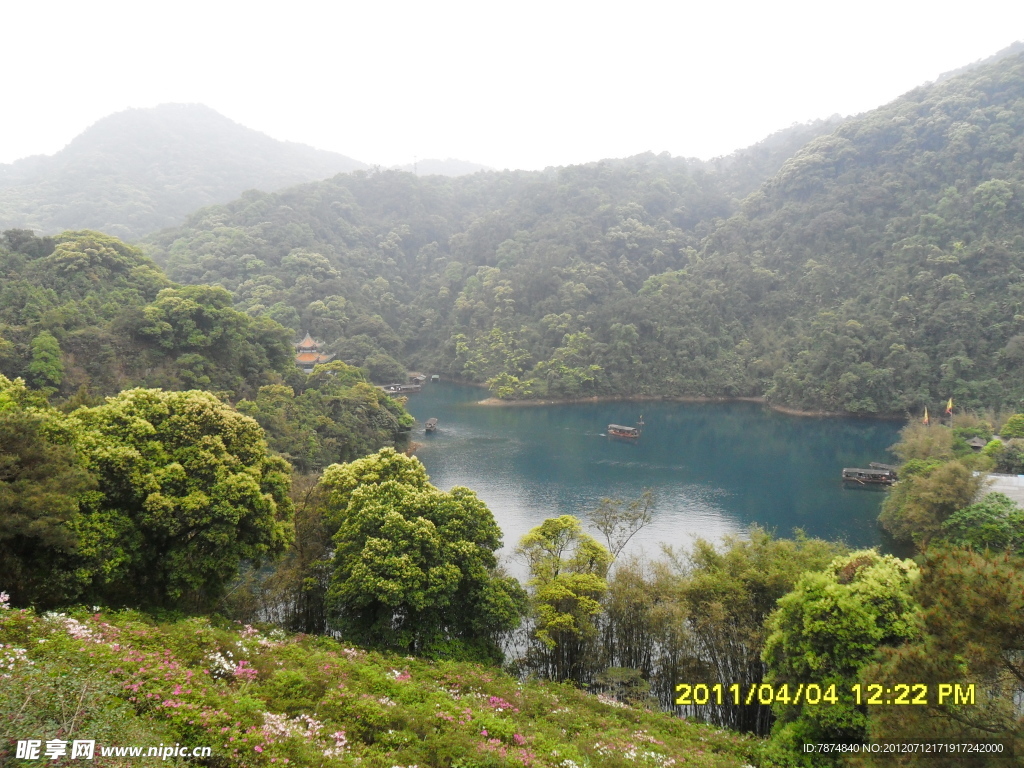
(123, 679)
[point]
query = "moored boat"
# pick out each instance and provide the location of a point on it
(868, 476)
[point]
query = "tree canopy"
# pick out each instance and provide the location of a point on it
(825, 631)
(152, 499)
(414, 567)
(871, 269)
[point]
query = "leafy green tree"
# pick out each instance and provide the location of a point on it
(152, 499)
(924, 442)
(972, 625)
(568, 570)
(1014, 426)
(414, 567)
(824, 632)
(920, 503)
(186, 493)
(729, 591)
(994, 523)
(41, 482)
(47, 367)
(1009, 456)
(384, 369)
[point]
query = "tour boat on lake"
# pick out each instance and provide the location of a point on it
(618, 430)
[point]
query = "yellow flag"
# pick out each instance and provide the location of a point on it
(925, 419)
(949, 406)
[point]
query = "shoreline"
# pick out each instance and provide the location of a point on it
(492, 402)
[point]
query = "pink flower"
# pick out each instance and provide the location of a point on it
(258, 748)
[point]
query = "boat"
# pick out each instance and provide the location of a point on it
(397, 389)
(430, 426)
(868, 476)
(618, 430)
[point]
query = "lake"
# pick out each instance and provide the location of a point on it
(715, 468)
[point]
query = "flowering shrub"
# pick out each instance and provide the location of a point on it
(260, 698)
(500, 705)
(10, 656)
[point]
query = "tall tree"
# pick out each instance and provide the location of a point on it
(568, 580)
(973, 625)
(186, 493)
(414, 567)
(41, 483)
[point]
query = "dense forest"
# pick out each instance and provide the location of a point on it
(84, 315)
(144, 169)
(202, 544)
(874, 270)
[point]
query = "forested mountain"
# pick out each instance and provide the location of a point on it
(877, 269)
(84, 315)
(144, 169)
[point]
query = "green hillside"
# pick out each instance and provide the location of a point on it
(144, 169)
(876, 270)
(259, 698)
(84, 315)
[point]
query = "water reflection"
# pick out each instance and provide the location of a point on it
(715, 467)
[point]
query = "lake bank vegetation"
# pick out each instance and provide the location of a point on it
(168, 503)
(872, 271)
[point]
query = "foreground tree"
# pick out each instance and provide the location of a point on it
(40, 485)
(162, 495)
(729, 591)
(414, 567)
(973, 625)
(568, 580)
(995, 523)
(823, 633)
(187, 492)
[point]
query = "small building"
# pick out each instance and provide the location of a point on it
(308, 354)
(977, 443)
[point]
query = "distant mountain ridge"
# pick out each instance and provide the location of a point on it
(142, 170)
(868, 265)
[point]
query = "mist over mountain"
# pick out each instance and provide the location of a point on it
(141, 170)
(1011, 50)
(875, 267)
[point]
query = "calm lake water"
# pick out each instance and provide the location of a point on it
(715, 468)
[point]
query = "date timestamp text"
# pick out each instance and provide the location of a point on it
(814, 694)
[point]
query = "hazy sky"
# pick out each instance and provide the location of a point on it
(509, 84)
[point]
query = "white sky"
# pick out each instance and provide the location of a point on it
(510, 84)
